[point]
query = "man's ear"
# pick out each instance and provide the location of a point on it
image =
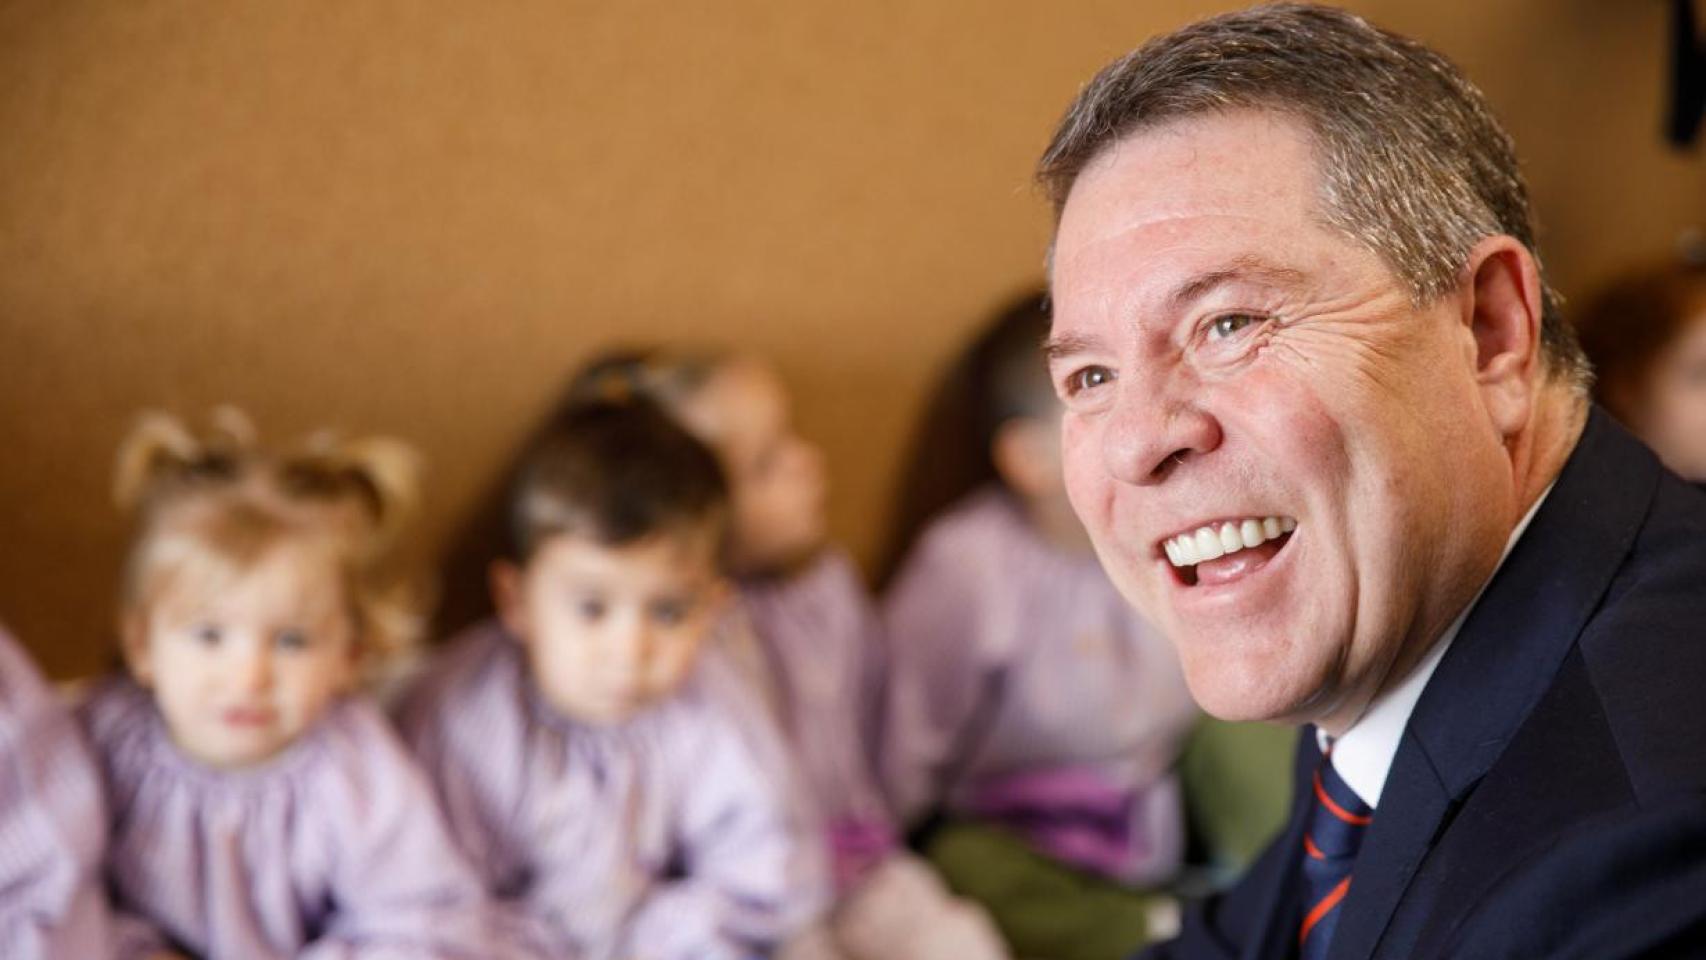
(508, 595)
(1503, 311)
(133, 643)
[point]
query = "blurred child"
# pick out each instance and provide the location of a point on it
(1024, 692)
(581, 744)
(816, 642)
(259, 809)
(52, 823)
(1646, 336)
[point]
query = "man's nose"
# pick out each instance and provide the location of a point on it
(1152, 433)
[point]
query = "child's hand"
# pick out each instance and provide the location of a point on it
(903, 910)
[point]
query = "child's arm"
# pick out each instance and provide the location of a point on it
(401, 888)
(748, 881)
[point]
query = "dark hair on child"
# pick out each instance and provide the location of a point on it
(998, 377)
(614, 471)
(613, 376)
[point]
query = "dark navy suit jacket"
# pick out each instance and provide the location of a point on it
(1548, 798)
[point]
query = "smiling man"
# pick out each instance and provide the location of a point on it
(1329, 430)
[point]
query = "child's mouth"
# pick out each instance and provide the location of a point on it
(248, 717)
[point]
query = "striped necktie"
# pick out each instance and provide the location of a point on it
(1337, 822)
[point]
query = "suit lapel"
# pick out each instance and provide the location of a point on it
(1501, 663)
(1414, 805)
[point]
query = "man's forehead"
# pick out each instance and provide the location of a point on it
(1221, 182)
(1225, 162)
(1172, 213)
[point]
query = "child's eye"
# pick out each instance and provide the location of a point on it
(1087, 378)
(291, 640)
(1224, 327)
(207, 634)
(590, 608)
(670, 612)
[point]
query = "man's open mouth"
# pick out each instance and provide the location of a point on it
(1225, 550)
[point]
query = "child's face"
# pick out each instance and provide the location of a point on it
(1026, 452)
(611, 629)
(776, 479)
(243, 668)
(1673, 418)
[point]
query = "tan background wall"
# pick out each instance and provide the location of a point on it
(413, 215)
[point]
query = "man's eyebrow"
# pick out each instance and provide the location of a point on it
(1243, 268)
(1066, 345)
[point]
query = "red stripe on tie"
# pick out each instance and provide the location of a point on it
(1335, 809)
(1323, 908)
(1310, 847)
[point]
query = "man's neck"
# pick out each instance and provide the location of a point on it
(1366, 749)
(1537, 455)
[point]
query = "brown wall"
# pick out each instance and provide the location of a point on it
(413, 215)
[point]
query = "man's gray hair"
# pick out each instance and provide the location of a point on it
(1413, 164)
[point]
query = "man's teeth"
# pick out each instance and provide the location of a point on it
(1208, 543)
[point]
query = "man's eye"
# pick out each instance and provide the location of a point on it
(1220, 328)
(1088, 378)
(291, 640)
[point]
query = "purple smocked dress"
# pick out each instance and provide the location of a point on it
(1025, 690)
(332, 850)
(666, 836)
(818, 633)
(52, 823)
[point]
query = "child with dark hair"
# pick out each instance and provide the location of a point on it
(808, 644)
(1025, 695)
(585, 744)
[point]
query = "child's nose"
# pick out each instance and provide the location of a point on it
(254, 670)
(634, 648)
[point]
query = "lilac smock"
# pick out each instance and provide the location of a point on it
(1024, 690)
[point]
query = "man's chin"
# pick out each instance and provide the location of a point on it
(1241, 689)
(1236, 710)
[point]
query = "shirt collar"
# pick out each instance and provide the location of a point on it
(1363, 755)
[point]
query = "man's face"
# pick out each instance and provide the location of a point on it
(1229, 362)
